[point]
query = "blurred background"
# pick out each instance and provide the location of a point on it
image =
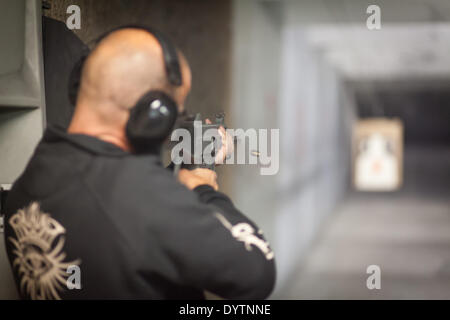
(361, 97)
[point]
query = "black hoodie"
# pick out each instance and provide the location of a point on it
(129, 227)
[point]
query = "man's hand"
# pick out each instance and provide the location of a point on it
(227, 148)
(197, 177)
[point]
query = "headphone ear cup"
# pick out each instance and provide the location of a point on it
(151, 121)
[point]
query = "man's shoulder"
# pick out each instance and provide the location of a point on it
(128, 173)
(136, 183)
(48, 170)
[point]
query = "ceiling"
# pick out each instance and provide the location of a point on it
(397, 51)
(401, 70)
(414, 40)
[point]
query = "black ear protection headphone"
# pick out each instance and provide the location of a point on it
(153, 117)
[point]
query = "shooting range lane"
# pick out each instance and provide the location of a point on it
(406, 233)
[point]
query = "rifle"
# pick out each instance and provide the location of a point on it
(191, 124)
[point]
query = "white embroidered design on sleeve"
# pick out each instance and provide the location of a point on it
(245, 233)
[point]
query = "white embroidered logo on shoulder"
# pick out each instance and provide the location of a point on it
(245, 233)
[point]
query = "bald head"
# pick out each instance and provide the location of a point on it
(123, 66)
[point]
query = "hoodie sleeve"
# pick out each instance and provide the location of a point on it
(220, 250)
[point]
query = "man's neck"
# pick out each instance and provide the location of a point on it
(109, 136)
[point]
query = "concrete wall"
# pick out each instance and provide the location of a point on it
(255, 95)
(280, 81)
(316, 117)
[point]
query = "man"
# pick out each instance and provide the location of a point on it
(119, 224)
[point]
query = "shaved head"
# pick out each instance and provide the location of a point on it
(123, 66)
